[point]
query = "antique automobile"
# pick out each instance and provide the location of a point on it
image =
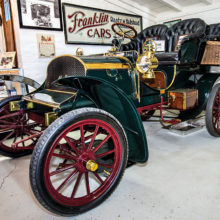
(84, 123)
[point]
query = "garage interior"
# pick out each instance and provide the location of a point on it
(180, 180)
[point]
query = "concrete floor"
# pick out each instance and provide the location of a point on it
(180, 181)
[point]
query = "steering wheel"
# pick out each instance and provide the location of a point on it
(149, 47)
(124, 30)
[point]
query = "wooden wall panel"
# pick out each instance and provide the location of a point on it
(8, 29)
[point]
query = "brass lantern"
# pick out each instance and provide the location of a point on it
(147, 62)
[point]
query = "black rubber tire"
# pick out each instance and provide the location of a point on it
(4, 152)
(147, 115)
(45, 142)
(209, 112)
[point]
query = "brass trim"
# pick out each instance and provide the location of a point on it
(49, 118)
(30, 105)
(106, 66)
(14, 106)
(79, 51)
(184, 101)
(53, 90)
(67, 55)
(41, 102)
(91, 165)
(126, 59)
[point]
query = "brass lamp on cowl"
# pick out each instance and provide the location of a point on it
(147, 62)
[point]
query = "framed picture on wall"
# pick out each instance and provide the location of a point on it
(40, 14)
(7, 60)
(85, 25)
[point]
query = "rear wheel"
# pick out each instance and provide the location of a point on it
(15, 126)
(78, 161)
(213, 112)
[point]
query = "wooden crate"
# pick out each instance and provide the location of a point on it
(211, 54)
(183, 99)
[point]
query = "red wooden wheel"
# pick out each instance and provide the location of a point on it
(213, 112)
(216, 112)
(15, 126)
(74, 155)
(82, 164)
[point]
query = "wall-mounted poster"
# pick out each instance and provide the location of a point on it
(84, 25)
(40, 14)
(46, 45)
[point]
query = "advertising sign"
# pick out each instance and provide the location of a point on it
(84, 25)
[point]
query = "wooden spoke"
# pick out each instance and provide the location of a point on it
(64, 156)
(67, 180)
(67, 167)
(76, 185)
(87, 183)
(101, 144)
(93, 137)
(71, 144)
(105, 165)
(99, 178)
(82, 138)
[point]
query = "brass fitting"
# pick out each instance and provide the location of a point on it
(91, 165)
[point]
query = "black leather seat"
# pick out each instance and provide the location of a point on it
(190, 30)
(213, 32)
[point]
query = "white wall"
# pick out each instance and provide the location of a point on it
(209, 13)
(35, 67)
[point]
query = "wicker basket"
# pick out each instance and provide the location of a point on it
(211, 55)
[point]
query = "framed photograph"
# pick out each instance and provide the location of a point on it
(171, 23)
(46, 45)
(7, 60)
(40, 14)
(84, 25)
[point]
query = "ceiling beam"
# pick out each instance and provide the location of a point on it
(207, 2)
(133, 7)
(172, 4)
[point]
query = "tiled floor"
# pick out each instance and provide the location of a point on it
(180, 181)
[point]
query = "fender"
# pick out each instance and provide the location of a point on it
(110, 98)
(204, 87)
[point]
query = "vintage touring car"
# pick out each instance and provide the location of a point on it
(84, 122)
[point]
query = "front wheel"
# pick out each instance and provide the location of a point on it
(78, 161)
(213, 112)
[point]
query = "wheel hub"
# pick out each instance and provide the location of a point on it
(92, 165)
(86, 162)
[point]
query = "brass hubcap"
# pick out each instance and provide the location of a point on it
(92, 165)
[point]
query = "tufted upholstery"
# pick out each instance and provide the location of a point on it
(194, 27)
(158, 31)
(213, 31)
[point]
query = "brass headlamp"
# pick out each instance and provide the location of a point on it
(147, 62)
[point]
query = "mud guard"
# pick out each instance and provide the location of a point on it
(204, 87)
(110, 98)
